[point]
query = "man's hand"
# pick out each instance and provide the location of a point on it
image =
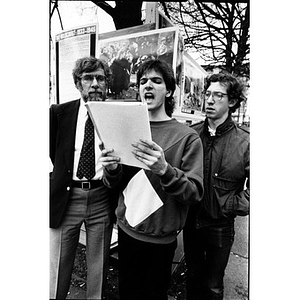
(152, 155)
(107, 160)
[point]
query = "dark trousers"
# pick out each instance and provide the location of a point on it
(144, 268)
(207, 252)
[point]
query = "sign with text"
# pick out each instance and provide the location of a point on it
(69, 46)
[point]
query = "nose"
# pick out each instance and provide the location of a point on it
(210, 99)
(94, 82)
(148, 84)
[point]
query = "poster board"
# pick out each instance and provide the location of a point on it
(70, 45)
(193, 87)
(124, 50)
(124, 54)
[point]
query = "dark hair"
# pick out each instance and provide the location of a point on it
(90, 64)
(235, 87)
(167, 73)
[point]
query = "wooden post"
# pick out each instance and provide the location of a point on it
(151, 9)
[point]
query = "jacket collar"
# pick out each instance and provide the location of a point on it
(227, 125)
(68, 120)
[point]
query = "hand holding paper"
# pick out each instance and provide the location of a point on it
(107, 159)
(152, 155)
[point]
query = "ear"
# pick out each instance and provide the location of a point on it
(79, 86)
(232, 102)
(168, 94)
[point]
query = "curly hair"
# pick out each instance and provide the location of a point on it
(234, 86)
(167, 73)
(90, 64)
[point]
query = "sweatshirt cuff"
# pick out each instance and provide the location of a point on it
(169, 174)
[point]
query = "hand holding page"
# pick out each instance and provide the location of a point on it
(118, 125)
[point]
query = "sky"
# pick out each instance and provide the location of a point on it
(76, 13)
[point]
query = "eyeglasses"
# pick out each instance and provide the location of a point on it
(216, 96)
(88, 78)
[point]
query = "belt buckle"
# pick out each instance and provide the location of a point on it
(86, 185)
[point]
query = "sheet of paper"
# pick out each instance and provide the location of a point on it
(119, 124)
(140, 202)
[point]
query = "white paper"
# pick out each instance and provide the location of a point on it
(140, 198)
(119, 125)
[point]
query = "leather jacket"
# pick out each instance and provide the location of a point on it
(226, 173)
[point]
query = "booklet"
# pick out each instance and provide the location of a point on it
(118, 125)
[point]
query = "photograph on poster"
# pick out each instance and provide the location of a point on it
(193, 86)
(124, 54)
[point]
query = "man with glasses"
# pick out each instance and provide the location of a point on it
(209, 230)
(77, 193)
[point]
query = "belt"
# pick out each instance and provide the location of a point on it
(87, 185)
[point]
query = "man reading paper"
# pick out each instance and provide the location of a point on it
(153, 204)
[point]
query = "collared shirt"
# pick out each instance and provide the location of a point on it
(81, 119)
(211, 131)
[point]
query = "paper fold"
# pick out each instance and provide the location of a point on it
(140, 198)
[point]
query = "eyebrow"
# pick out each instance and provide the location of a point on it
(153, 79)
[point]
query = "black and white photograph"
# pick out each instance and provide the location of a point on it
(124, 54)
(175, 225)
(81, 222)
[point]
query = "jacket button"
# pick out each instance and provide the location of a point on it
(68, 188)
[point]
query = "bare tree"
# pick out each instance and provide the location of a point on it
(218, 31)
(125, 13)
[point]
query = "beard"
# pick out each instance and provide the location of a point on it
(94, 96)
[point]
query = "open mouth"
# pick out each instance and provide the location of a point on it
(148, 96)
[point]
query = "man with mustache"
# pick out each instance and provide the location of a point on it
(77, 193)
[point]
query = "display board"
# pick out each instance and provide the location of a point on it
(69, 46)
(124, 51)
(124, 54)
(193, 87)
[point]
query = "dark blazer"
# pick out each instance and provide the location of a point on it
(63, 120)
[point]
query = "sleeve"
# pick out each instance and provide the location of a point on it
(239, 203)
(111, 179)
(185, 184)
(52, 133)
(119, 178)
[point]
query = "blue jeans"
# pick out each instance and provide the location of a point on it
(207, 252)
(93, 208)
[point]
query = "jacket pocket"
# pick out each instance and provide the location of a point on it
(225, 193)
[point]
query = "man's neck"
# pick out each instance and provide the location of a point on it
(214, 123)
(156, 116)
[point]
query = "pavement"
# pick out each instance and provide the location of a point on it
(237, 271)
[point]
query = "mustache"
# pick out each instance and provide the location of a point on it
(98, 91)
(97, 95)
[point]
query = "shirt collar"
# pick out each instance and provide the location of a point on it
(82, 109)
(222, 128)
